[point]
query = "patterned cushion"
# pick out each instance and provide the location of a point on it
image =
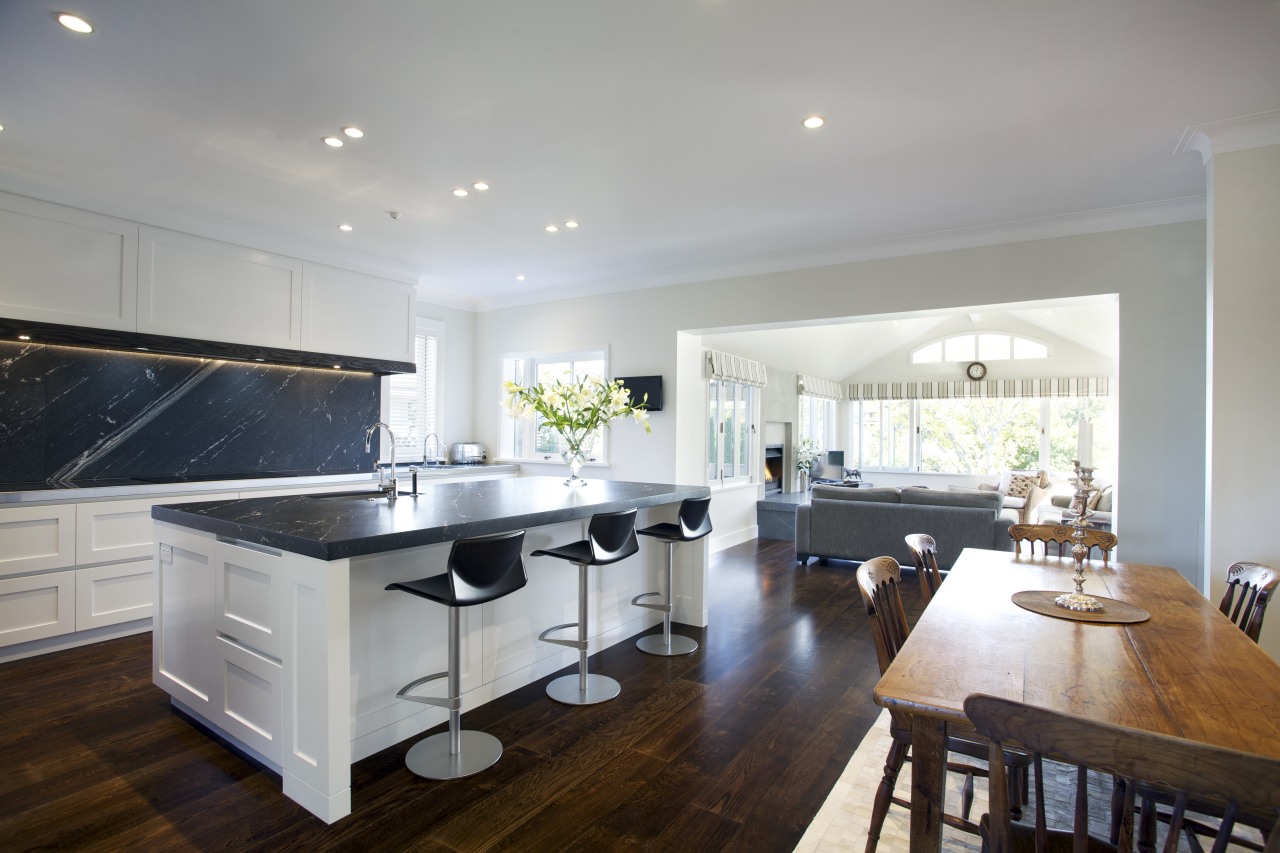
(1020, 485)
(1103, 495)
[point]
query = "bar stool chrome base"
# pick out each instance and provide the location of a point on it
(657, 644)
(568, 689)
(430, 757)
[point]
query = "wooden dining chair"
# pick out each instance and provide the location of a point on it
(1255, 583)
(1061, 535)
(1243, 782)
(925, 552)
(878, 581)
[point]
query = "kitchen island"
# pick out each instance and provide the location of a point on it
(272, 625)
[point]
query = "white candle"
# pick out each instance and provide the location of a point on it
(1084, 450)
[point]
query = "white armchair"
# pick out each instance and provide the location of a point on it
(1024, 505)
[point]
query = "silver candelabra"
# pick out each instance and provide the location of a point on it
(1079, 551)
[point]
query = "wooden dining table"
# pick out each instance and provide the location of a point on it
(1187, 671)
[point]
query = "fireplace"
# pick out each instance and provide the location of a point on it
(772, 468)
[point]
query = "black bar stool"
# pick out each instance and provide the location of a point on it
(480, 569)
(611, 536)
(694, 523)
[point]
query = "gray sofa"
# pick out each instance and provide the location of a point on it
(858, 524)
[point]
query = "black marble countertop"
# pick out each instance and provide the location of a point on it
(332, 527)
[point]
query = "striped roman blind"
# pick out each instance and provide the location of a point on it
(1066, 386)
(812, 386)
(735, 368)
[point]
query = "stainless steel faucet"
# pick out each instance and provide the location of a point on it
(389, 487)
(434, 441)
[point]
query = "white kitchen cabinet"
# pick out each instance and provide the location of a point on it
(194, 287)
(121, 529)
(63, 265)
(113, 594)
(246, 699)
(35, 538)
(349, 313)
(182, 651)
(37, 606)
(247, 595)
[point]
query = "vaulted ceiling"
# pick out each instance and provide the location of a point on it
(669, 129)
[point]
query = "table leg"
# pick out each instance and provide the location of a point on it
(928, 782)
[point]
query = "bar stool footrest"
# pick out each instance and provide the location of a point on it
(662, 606)
(573, 644)
(439, 701)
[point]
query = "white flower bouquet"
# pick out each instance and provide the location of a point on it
(807, 453)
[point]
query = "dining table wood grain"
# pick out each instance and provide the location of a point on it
(1187, 671)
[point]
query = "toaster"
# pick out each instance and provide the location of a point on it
(468, 453)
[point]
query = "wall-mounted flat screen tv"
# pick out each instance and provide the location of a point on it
(641, 385)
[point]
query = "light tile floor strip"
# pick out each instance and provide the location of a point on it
(841, 824)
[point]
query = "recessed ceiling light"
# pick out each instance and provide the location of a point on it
(353, 132)
(814, 122)
(572, 223)
(333, 142)
(460, 192)
(344, 227)
(1, 127)
(551, 229)
(519, 278)
(481, 186)
(74, 23)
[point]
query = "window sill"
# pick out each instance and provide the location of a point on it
(715, 486)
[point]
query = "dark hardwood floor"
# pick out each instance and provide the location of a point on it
(734, 747)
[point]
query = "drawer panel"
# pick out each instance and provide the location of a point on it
(248, 702)
(248, 597)
(121, 530)
(34, 538)
(32, 608)
(109, 595)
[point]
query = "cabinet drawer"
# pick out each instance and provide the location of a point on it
(247, 699)
(109, 595)
(121, 530)
(33, 538)
(32, 608)
(247, 596)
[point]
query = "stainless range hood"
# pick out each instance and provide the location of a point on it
(26, 331)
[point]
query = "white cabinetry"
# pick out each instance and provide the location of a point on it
(110, 595)
(37, 606)
(348, 313)
(35, 538)
(197, 288)
(63, 265)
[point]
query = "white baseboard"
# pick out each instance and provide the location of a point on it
(734, 537)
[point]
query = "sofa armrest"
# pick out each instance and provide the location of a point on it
(1063, 501)
(803, 513)
(1035, 497)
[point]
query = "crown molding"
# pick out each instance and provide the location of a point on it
(447, 298)
(1231, 134)
(1166, 212)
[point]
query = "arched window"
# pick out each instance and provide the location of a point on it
(979, 346)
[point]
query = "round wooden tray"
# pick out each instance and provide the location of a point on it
(1113, 611)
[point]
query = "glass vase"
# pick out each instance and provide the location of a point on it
(577, 447)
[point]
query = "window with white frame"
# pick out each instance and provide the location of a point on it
(817, 420)
(532, 440)
(732, 410)
(980, 346)
(410, 401)
(982, 435)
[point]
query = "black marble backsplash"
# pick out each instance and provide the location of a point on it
(82, 415)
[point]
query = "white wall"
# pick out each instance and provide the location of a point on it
(457, 371)
(1158, 273)
(1244, 408)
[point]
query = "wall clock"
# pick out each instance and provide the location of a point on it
(976, 370)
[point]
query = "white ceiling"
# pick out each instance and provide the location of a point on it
(669, 128)
(838, 349)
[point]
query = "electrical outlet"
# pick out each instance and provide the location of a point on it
(166, 553)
